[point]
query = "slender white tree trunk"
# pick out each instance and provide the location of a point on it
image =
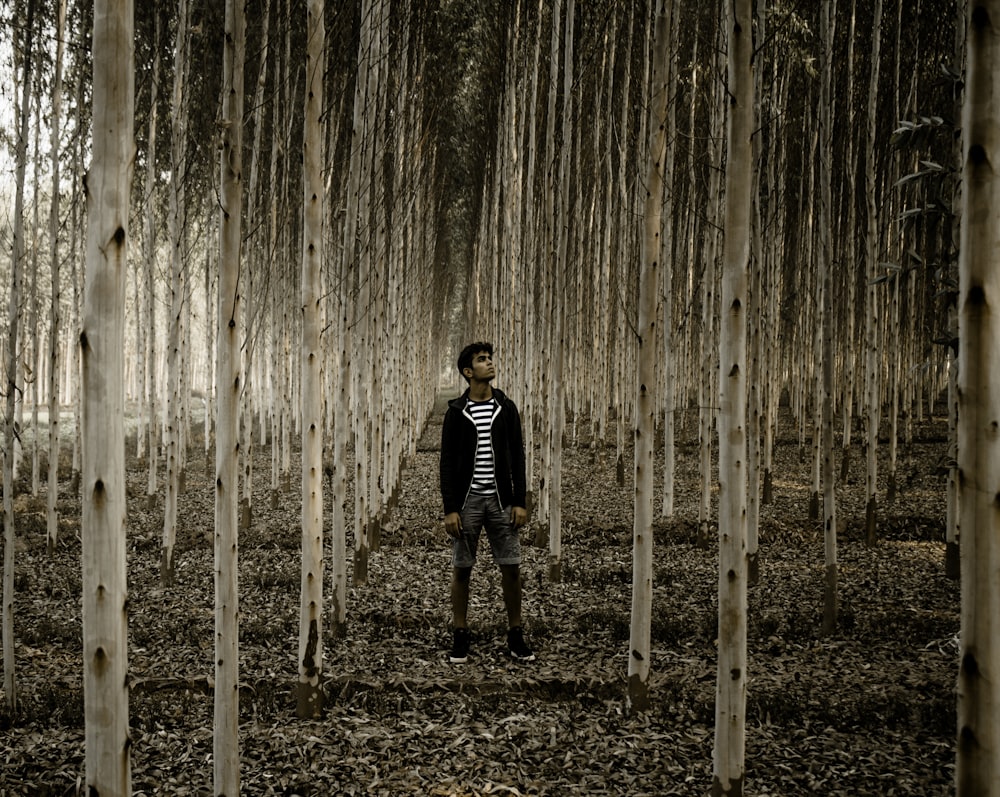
(359, 260)
(11, 365)
(149, 293)
(872, 314)
(708, 385)
(667, 254)
(52, 497)
(646, 362)
(102, 344)
(558, 350)
(978, 757)
(32, 366)
(825, 280)
(310, 687)
(730, 696)
(175, 437)
(952, 531)
(849, 248)
(226, 750)
(755, 371)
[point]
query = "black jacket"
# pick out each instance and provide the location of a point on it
(458, 453)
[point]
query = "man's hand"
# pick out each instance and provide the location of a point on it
(518, 516)
(453, 524)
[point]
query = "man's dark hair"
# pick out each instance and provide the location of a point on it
(469, 353)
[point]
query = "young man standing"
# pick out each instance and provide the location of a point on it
(483, 487)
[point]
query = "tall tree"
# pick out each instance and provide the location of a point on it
(978, 756)
(872, 310)
(178, 177)
(149, 349)
(310, 692)
(828, 14)
(226, 753)
(952, 553)
(360, 215)
(52, 494)
(11, 365)
(708, 240)
(102, 343)
(646, 366)
(669, 401)
(851, 274)
(730, 696)
(558, 263)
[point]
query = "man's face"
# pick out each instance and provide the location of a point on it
(482, 367)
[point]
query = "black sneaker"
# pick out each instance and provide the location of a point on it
(519, 651)
(460, 647)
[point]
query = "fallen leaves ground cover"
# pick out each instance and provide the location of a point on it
(868, 710)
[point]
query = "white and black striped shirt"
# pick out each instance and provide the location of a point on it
(483, 476)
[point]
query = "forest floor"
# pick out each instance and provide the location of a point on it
(868, 710)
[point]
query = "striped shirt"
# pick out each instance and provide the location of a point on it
(483, 476)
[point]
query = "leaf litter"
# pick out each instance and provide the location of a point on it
(869, 709)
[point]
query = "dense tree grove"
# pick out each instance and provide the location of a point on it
(457, 112)
(429, 172)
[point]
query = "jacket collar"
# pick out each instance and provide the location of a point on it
(460, 402)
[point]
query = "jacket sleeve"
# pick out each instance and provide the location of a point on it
(449, 464)
(517, 458)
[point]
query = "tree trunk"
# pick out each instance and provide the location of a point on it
(825, 279)
(339, 475)
(149, 261)
(52, 493)
(730, 697)
(13, 316)
(646, 360)
(978, 756)
(667, 270)
(559, 343)
(310, 687)
(78, 268)
(360, 206)
(952, 530)
(102, 343)
(226, 749)
(178, 147)
(32, 365)
(756, 303)
(708, 373)
(850, 249)
(872, 315)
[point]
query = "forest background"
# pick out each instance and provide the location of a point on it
(484, 176)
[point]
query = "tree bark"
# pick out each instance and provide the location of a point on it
(827, 29)
(978, 749)
(646, 361)
(149, 261)
(102, 339)
(310, 691)
(52, 492)
(872, 314)
(226, 750)
(13, 321)
(557, 350)
(174, 432)
(730, 698)
(952, 530)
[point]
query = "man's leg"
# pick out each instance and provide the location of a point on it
(510, 583)
(460, 596)
(459, 612)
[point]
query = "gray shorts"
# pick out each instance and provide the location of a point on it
(484, 512)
